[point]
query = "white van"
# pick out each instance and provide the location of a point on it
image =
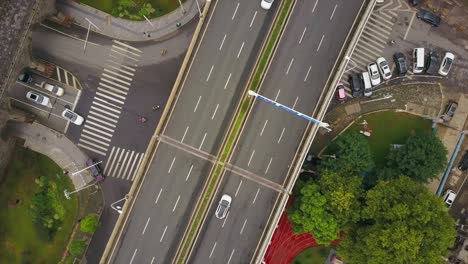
(418, 60)
(366, 82)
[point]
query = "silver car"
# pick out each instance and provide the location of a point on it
(38, 98)
(374, 73)
(223, 206)
(72, 117)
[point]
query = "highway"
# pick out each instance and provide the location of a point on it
(224, 58)
(260, 163)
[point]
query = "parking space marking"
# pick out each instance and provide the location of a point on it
(35, 107)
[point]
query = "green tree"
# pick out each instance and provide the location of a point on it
(89, 224)
(402, 222)
(352, 153)
(146, 10)
(421, 158)
(77, 247)
(309, 214)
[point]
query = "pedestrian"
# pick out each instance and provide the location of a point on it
(156, 107)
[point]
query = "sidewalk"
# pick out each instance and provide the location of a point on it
(123, 29)
(55, 146)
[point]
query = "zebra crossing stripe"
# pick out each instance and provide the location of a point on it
(107, 163)
(109, 97)
(107, 91)
(107, 102)
(107, 87)
(100, 126)
(128, 164)
(97, 130)
(94, 139)
(116, 85)
(115, 79)
(104, 112)
(119, 174)
(102, 116)
(95, 135)
(122, 65)
(118, 74)
(120, 70)
(101, 121)
(124, 55)
(126, 45)
(92, 144)
(91, 149)
(114, 161)
(114, 170)
(137, 167)
(107, 107)
(126, 50)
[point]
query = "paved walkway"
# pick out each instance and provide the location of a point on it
(54, 145)
(118, 28)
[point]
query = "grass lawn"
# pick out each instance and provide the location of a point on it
(390, 128)
(313, 255)
(164, 6)
(19, 240)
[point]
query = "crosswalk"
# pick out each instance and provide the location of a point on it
(107, 106)
(374, 38)
(123, 163)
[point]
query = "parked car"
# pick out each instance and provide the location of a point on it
(374, 73)
(384, 69)
(451, 109)
(356, 84)
(223, 206)
(95, 169)
(449, 197)
(400, 62)
(54, 89)
(25, 77)
(428, 17)
(38, 98)
(463, 165)
(340, 92)
(432, 62)
(418, 60)
(72, 117)
(414, 2)
(266, 4)
(366, 82)
(446, 64)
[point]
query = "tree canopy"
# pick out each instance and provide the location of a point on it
(89, 224)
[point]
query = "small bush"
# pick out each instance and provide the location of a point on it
(89, 224)
(77, 247)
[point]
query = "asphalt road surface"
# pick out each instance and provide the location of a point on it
(198, 122)
(307, 52)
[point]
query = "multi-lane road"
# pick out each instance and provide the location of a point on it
(258, 168)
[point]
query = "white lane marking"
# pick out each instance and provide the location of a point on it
(126, 50)
(255, 198)
(240, 50)
(152, 260)
(276, 98)
(224, 222)
(216, 109)
(222, 42)
(120, 70)
(196, 106)
(235, 11)
(303, 33)
(118, 74)
(115, 79)
(227, 81)
(203, 140)
(334, 9)
(282, 132)
(320, 44)
(238, 188)
(266, 122)
(176, 203)
(157, 198)
(307, 75)
(134, 253)
(160, 240)
(242, 230)
(289, 67)
(295, 102)
(92, 144)
(185, 133)
(315, 5)
(126, 45)
(188, 174)
(123, 162)
(409, 26)
(209, 74)
(172, 164)
(70, 36)
(268, 166)
(232, 253)
(251, 156)
(137, 166)
(212, 250)
(129, 162)
(144, 229)
(253, 18)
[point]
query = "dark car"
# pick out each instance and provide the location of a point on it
(400, 62)
(464, 162)
(432, 63)
(25, 77)
(451, 108)
(95, 169)
(429, 18)
(356, 84)
(414, 2)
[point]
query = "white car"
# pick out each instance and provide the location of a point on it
(446, 63)
(54, 89)
(449, 197)
(384, 68)
(223, 206)
(374, 73)
(73, 117)
(266, 4)
(38, 98)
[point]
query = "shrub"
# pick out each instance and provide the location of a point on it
(77, 247)
(89, 224)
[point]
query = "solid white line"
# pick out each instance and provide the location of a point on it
(255, 198)
(268, 166)
(128, 164)
(251, 156)
(253, 18)
(203, 140)
(209, 74)
(315, 5)
(175, 205)
(242, 230)
(282, 132)
(266, 122)
(94, 134)
(303, 33)
(232, 253)
(196, 106)
(276, 98)
(104, 111)
(118, 74)
(320, 44)
(172, 163)
(240, 50)
(119, 174)
(138, 165)
(331, 17)
(235, 11)
(188, 174)
(58, 75)
(289, 67)
(134, 253)
(152, 260)
(66, 78)
(307, 75)
(144, 229)
(238, 188)
(126, 45)
(157, 198)
(91, 149)
(216, 109)
(227, 81)
(212, 250)
(295, 102)
(92, 144)
(107, 163)
(185, 133)
(160, 240)
(409, 26)
(222, 42)
(224, 222)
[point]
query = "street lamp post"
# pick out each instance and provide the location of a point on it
(182, 7)
(87, 33)
(67, 194)
(76, 172)
(118, 208)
